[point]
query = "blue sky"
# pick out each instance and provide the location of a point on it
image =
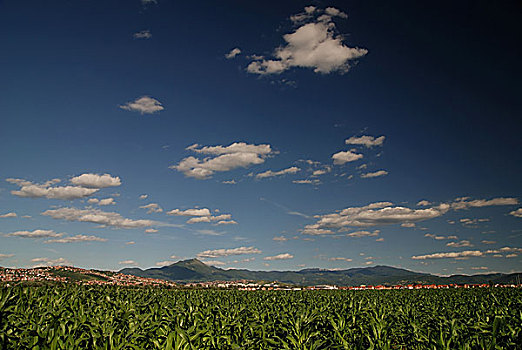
(261, 135)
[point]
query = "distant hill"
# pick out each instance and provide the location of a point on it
(193, 270)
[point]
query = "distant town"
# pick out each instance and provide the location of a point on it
(68, 274)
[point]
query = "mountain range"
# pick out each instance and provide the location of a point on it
(193, 270)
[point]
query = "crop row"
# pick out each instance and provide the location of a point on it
(74, 317)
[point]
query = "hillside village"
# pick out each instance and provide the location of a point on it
(69, 274)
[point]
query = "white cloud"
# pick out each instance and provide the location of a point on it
(151, 230)
(50, 262)
(128, 262)
(270, 173)
(8, 215)
(96, 216)
(96, 181)
(343, 157)
(144, 196)
(6, 256)
(307, 182)
(165, 263)
(233, 53)
(363, 234)
(517, 213)
(218, 253)
(312, 45)
(190, 212)
(367, 141)
(439, 238)
(226, 222)
(374, 174)
(463, 243)
(408, 224)
(316, 230)
(423, 203)
(236, 155)
(144, 105)
(280, 239)
(144, 34)
(130, 243)
(152, 208)
(229, 182)
(463, 203)
(284, 256)
(488, 242)
(34, 234)
(106, 201)
(340, 259)
(480, 268)
(464, 254)
(77, 238)
(381, 213)
(29, 189)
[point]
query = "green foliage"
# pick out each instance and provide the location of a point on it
(107, 317)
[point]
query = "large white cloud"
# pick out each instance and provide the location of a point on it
(270, 173)
(144, 105)
(381, 213)
(222, 158)
(29, 189)
(96, 180)
(368, 141)
(465, 203)
(97, 216)
(343, 157)
(218, 253)
(34, 234)
(314, 44)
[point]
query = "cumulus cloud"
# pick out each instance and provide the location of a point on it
(96, 216)
(343, 157)
(340, 259)
(76, 239)
(34, 234)
(439, 237)
(144, 196)
(229, 182)
(96, 180)
(517, 213)
(233, 53)
(151, 230)
(363, 234)
(423, 203)
(8, 215)
(374, 174)
(367, 141)
(280, 239)
(102, 202)
(29, 189)
(218, 253)
(464, 203)
(314, 44)
(380, 213)
(468, 253)
(460, 244)
(50, 262)
(144, 34)
(190, 212)
(284, 256)
(464, 254)
(270, 173)
(152, 208)
(222, 158)
(144, 105)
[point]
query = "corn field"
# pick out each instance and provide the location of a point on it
(81, 317)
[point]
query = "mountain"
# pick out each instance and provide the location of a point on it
(193, 270)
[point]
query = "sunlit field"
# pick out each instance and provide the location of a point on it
(76, 317)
